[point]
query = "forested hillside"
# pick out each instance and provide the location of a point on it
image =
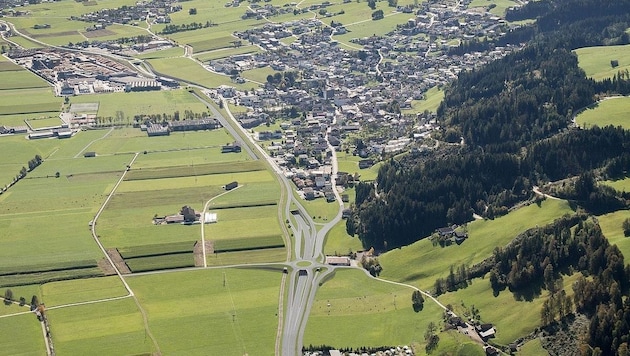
(515, 118)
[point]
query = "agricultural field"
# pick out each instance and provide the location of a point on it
(143, 103)
(21, 334)
(431, 102)
(162, 53)
(216, 311)
(484, 236)
(622, 185)
(226, 52)
(109, 327)
(532, 348)
(339, 242)
(33, 101)
(352, 309)
(498, 6)
(61, 293)
(613, 111)
(350, 164)
(596, 61)
(11, 164)
(20, 79)
(46, 122)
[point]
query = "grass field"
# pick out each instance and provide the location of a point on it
(613, 111)
(366, 312)
(350, 164)
(105, 328)
(339, 242)
(217, 312)
(611, 227)
(595, 61)
(190, 71)
(226, 52)
(432, 100)
(500, 5)
(532, 348)
(41, 123)
(258, 74)
(143, 103)
(21, 334)
(251, 256)
(422, 263)
(457, 344)
(163, 53)
(155, 263)
(84, 290)
(622, 185)
(29, 101)
(22, 79)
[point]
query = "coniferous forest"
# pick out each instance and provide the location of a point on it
(515, 118)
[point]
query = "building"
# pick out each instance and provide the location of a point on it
(231, 147)
(231, 185)
(338, 260)
(157, 130)
(194, 125)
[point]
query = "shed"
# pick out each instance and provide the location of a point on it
(231, 185)
(89, 154)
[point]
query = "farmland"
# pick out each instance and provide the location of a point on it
(596, 61)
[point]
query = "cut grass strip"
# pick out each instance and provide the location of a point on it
(248, 243)
(145, 264)
(156, 250)
(199, 170)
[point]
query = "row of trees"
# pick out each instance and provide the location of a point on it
(173, 28)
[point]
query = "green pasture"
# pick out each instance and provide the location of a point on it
(249, 256)
(339, 242)
(350, 164)
(156, 250)
(65, 8)
(192, 170)
(76, 146)
(244, 222)
(23, 278)
(28, 101)
(155, 263)
(200, 156)
(456, 344)
(81, 290)
(213, 312)
(190, 71)
(26, 43)
(614, 111)
(263, 191)
(366, 312)
(611, 227)
(143, 103)
(22, 151)
(513, 316)
(21, 334)
(115, 31)
(367, 27)
(45, 122)
(622, 185)
(319, 209)
(162, 53)
(596, 61)
(18, 119)
(258, 74)
(226, 52)
(185, 143)
(20, 80)
(422, 263)
(432, 99)
(105, 328)
(499, 9)
(80, 168)
(532, 348)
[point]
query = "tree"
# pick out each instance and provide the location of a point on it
(392, 3)
(372, 4)
(192, 11)
(431, 337)
(57, 174)
(417, 300)
(34, 302)
(8, 296)
(22, 301)
(377, 15)
(626, 227)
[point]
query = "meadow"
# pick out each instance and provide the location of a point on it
(622, 185)
(596, 61)
(431, 262)
(21, 334)
(84, 290)
(353, 310)
(29, 101)
(350, 164)
(217, 312)
(613, 111)
(21, 79)
(611, 227)
(432, 99)
(339, 242)
(498, 9)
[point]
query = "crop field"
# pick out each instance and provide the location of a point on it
(153, 263)
(351, 310)
(613, 111)
(239, 223)
(596, 61)
(248, 243)
(83, 290)
(24, 276)
(162, 53)
(422, 263)
(21, 333)
(513, 317)
(366, 27)
(216, 312)
(532, 348)
(156, 250)
(249, 256)
(23, 42)
(143, 103)
(198, 170)
(11, 164)
(105, 328)
(611, 227)
(28, 101)
(20, 79)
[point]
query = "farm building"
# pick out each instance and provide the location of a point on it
(193, 125)
(231, 147)
(231, 185)
(157, 130)
(338, 260)
(41, 134)
(89, 154)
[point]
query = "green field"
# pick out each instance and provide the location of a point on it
(350, 164)
(192, 72)
(143, 103)
(45, 122)
(613, 111)
(622, 185)
(212, 312)
(154, 263)
(533, 348)
(22, 79)
(339, 242)
(250, 256)
(611, 227)
(84, 290)
(226, 52)
(422, 263)
(500, 5)
(366, 312)
(21, 334)
(163, 53)
(29, 101)
(596, 61)
(105, 328)
(433, 98)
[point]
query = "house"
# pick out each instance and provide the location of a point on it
(485, 331)
(309, 193)
(366, 163)
(231, 147)
(346, 213)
